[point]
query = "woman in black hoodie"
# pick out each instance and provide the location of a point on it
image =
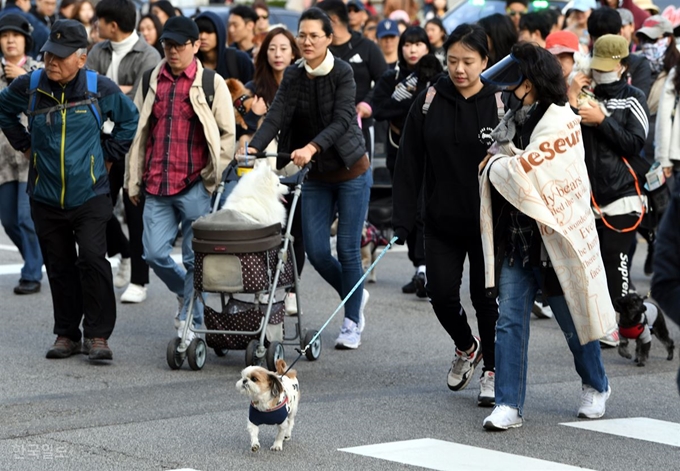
(392, 98)
(446, 136)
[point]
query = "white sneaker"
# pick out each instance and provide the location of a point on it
(610, 340)
(463, 367)
(593, 402)
(133, 294)
(190, 334)
(290, 304)
(362, 317)
(487, 390)
(123, 274)
(503, 418)
(542, 311)
(350, 337)
(180, 303)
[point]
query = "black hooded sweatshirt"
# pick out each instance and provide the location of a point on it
(245, 66)
(442, 151)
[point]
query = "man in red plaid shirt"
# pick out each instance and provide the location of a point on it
(181, 147)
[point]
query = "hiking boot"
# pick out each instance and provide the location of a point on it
(463, 366)
(63, 347)
(487, 395)
(27, 287)
(133, 294)
(593, 402)
(97, 349)
(123, 274)
(503, 418)
(350, 337)
(362, 317)
(419, 281)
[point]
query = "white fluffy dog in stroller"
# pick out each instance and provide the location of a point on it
(258, 197)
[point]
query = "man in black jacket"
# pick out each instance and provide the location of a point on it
(364, 56)
(608, 21)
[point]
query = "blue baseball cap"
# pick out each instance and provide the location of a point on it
(387, 28)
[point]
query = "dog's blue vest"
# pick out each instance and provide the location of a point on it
(275, 416)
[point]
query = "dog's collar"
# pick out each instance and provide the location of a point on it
(239, 104)
(282, 402)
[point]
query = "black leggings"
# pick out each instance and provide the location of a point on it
(615, 247)
(445, 256)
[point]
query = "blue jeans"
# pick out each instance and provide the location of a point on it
(517, 290)
(15, 215)
(162, 216)
(320, 201)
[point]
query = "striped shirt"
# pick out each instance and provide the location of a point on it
(177, 149)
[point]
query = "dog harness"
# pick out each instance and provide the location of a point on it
(240, 104)
(642, 330)
(275, 416)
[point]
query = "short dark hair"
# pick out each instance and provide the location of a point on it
(260, 4)
(544, 72)
(502, 35)
(245, 12)
(536, 21)
(123, 12)
(316, 13)
(205, 25)
(523, 2)
(603, 21)
(471, 36)
(337, 8)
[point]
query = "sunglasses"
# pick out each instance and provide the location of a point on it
(263, 17)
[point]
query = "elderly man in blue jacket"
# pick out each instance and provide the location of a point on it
(68, 182)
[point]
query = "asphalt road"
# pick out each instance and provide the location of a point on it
(134, 413)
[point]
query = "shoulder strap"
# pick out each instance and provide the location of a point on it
(429, 96)
(32, 94)
(232, 63)
(500, 105)
(146, 78)
(91, 77)
(209, 86)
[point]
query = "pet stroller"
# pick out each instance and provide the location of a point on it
(244, 265)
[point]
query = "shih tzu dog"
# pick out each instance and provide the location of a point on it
(639, 318)
(274, 399)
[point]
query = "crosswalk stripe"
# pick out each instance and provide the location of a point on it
(447, 456)
(639, 428)
(9, 248)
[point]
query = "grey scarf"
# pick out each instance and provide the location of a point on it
(507, 128)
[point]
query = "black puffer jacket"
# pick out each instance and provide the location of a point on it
(336, 113)
(622, 134)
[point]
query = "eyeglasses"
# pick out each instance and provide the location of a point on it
(515, 12)
(263, 17)
(313, 38)
(168, 46)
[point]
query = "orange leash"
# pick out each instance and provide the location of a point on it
(637, 188)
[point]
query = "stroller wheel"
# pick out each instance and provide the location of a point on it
(220, 352)
(274, 352)
(251, 353)
(174, 358)
(314, 351)
(196, 354)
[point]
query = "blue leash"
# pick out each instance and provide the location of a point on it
(344, 301)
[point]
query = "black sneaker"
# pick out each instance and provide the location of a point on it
(63, 347)
(419, 282)
(409, 288)
(97, 349)
(27, 287)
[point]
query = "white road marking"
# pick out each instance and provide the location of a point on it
(438, 454)
(639, 428)
(9, 248)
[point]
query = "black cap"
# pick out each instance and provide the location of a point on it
(66, 37)
(180, 29)
(19, 24)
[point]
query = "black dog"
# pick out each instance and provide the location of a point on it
(638, 319)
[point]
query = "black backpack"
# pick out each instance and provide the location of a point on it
(208, 83)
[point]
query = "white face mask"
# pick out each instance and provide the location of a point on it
(603, 78)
